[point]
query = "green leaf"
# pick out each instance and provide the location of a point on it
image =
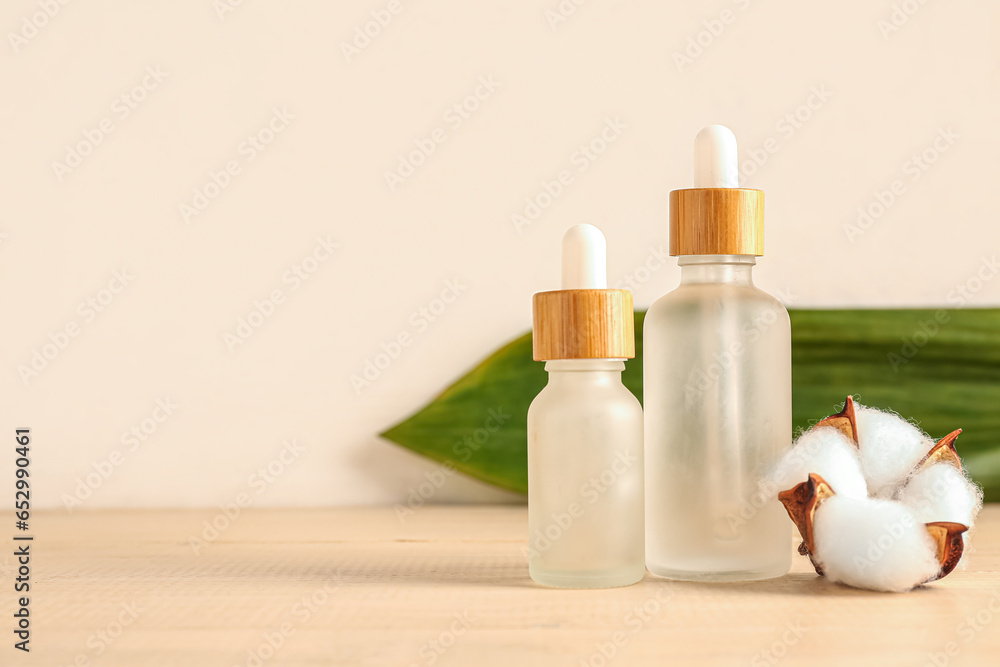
(939, 368)
(455, 428)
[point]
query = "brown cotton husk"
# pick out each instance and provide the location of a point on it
(844, 421)
(801, 503)
(943, 452)
(948, 539)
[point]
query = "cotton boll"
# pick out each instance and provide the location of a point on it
(871, 533)
(890, 448)
(828, 453)
(875, 544)
(942, 492)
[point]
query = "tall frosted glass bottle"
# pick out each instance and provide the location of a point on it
(717, 388)
(585, 481)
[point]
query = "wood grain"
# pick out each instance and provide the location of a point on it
(717, 221)
(583, 324)
(449, 586)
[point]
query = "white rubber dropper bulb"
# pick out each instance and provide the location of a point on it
(716, 164)
(584, 258)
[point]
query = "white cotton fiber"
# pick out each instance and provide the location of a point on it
(876, 544)
(942, 492)
(890, 448)
(828, 453)
(871, 533)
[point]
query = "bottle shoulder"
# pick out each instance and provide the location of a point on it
(745, 297)
(585, 398)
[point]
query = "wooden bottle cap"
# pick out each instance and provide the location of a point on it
(717, 221)
(583, 324)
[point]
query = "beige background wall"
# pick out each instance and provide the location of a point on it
(138, 300)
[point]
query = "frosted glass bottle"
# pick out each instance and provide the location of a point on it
(585, 429)
(585, 479)
(717, 396)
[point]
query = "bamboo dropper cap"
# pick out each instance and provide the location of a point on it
(717, 217)
(584, 320)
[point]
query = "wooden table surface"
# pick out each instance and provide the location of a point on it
(446, 586)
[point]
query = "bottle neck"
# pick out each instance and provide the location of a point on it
(728, 269)
(597, 372)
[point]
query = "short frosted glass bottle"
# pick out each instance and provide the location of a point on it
(716, 387)
(585, 495)
(585, 430)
